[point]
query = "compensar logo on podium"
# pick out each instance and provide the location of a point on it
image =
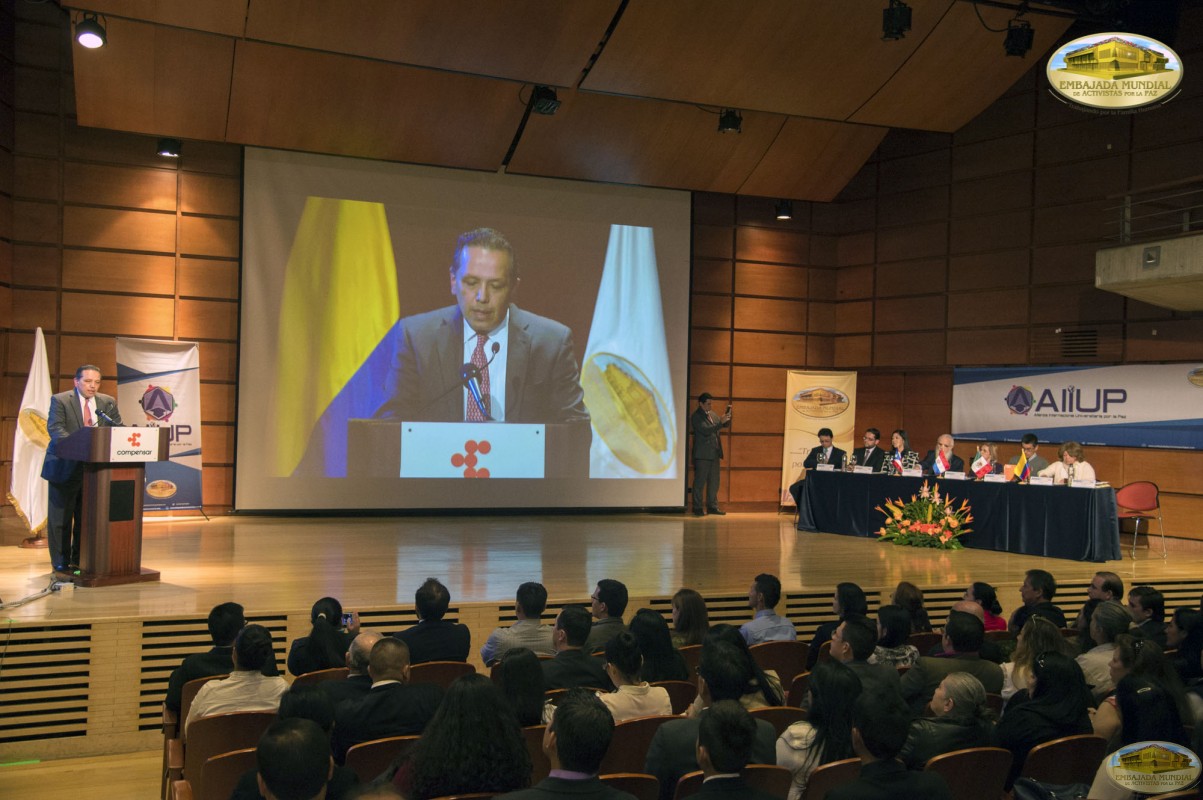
(1114, 73)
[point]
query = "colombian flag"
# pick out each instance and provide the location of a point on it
(1023, 470)
(334, 348)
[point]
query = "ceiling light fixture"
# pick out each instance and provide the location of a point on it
(169, 148)
(895, 20)
(89, 32)
(1019, 38)
(730, 121)
(785, 209)
(543, 100)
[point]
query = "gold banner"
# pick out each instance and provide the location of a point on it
(815, 400)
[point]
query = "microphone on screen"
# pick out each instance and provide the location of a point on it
(470, 374)
(106, 418)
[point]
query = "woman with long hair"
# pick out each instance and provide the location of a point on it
(326, 645)
(1037, 636)
(1143, 658)
(472, 744)
(849, 599)
(1149, 714)
(826, 733)
(691, 620)
(520, 679)
(1058, 706)
(631, 697)
(765, 687)
(893, 630)
(900, 455)
(960, 718)
(1184, 633)
(986, 596)
(661, 662)
(910, 597)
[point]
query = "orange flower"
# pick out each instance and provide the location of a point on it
(952, 523)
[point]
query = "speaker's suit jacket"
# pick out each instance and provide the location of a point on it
(65, 419)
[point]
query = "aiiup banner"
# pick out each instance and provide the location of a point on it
(158, 386)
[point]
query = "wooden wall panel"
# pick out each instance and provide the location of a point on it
(992, 157)
(219, 361)
(208, 319)
(853, 351)
(988, 270)
(217, 401)
(857, 248)
(909, 208)
(123, 315)
(204, 277)
(909, 314)
(36, 222)
(984, 309)
(760, 486)
(854, 283)
(710, 311)
(769, 244)
(36, 178)
(760, 314)
(912, 241)
(757, 451)
(992, 232)
(92, 270)
(1175, 339)
(909, 349)
(207, 236)
(713, 241)
(210, 194)
(104, 185)
(706, 345)
(821, 317)
(761, 382)
(911, 277)
(118, 230)
(710, 275)
(768, 280)
(98, 350)
(987, 346)
(217, 443)
(769, 348)
(35, 265)
(820, 351)
(713, 378)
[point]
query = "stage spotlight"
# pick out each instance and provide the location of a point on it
(1019, 38)
(169, 147)
(729, 121)
(895, 20)
(89, 32)
(544, 101)
(785, 209)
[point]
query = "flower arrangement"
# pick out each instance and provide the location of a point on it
(928, 520)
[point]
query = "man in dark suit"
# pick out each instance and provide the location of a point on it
(575, 743)
(608, 602)
(707, 452)
(942, 459)
(433, 638)
(852, 644)
(439, 353)
(82, 407)
(572, 666)
(225, 621)
(1037, 592)
(392, 707)
(963, 636)
(870, 455)
(1147, 607)
(358, 681)
(726, 734)
(825, 453)
(723, 674)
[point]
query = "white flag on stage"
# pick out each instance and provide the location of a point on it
(27, 491)
(625, 376)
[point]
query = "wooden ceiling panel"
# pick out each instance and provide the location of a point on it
(643, 142)
(816, 58)
(535, 41)
(227, 17)
(158, 80)
(813, 159)
(318, 102)
(960, 70)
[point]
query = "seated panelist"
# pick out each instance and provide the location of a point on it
(1072, 468)
(870, 455)
(986, 462)
(942, 459)
(901, 456)
(825, 453)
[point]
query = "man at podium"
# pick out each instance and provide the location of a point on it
(82, 407)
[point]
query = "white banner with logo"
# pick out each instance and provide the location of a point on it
(1135, 405)
(158, 386)
(815, 400)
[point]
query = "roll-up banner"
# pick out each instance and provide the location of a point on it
(815, 400)
(1135, 405)
(158, 386)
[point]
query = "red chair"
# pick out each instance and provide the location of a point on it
(440, 673)
(974, 772)
(1070, 759)
(829, 776)
(221, 773)
(692, 653)
(787, 659)
(630, 743)
(1141, 500)
(680, 693)
(925, 641)
(369, 759)
(214, 735)
(798, 690)
(767, 778)
(641, 785)
(540, 765)
(780, 717)
(312, 678)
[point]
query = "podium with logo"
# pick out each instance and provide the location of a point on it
(114, 474)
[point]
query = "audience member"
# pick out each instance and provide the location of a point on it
(1034, 462)
(1071, 466)
(1149, 714)
(247, 688)
(293, 757)
(1108, 621)
(1184, 633)
(1143, 658)
(573, 666)
(880, 726)
(726, 736)
(392, 707)
(910, 597)
(326, 645)
(990, 649)
(893, 630)
(1037, 636)
(609, 601)
(962, 642)
(960, 719)
(528, 631)
(1058, 706)
(358, 681)
(849, 599)
(765, 688)
(766, 625)
(472, 744)
(434, 638)
(575, 743)
(225, 621)
(661, 661)
(691, 620)
(1104, 586)
(632, 697)
(985, 596)
(1038, 590)
(942, 459)
(826, 733)
(520, 679)
(1147, 606)
(852, 645)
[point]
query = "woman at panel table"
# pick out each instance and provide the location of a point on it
(900, 456)
(986, 462)
(1072, 468)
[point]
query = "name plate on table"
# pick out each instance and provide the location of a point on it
(472, 450)
(134, 444)
(954, 476)
(1082, 485)
(992, 478)
(913, 472)
(863, 470)
(1037, 480)
(825, 468)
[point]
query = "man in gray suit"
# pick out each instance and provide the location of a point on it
(82, 407)
(485, 359)
(707, 452)
(963, 636)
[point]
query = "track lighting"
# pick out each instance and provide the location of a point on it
(730, 121)
(89, 32)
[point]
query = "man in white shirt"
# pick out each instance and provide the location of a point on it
(528, 631)
(247, 689)
(1108, 621)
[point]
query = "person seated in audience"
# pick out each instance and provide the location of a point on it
(225, 621)
(962, 642)
(661, 661)
(893, 630)
(608, 603)
(1030, 446)
(575, 743)
(849, 599)
(434, 638)
(1143, 658)
(986, 461)
(308, 703)
(762, 691)
(1104, 586)
(631, 697)
(900, 455)
(726, 735)
(960, 719)
(1037, 592)
(1148, 713)
(1147, 606)
(985, 596)
(910, 597)
(326, 645)
(358, 681)
(1108, 621)
(1038, 636)
(691, 620)
(472, 744)
(766, 624)
(852, 645)
(293, 756)
(880, 724)
(573, 665)
(723, 674)
(520, 679)
(825, 453)
(990, 649)
(942, 459)
(392, 707)
(1057, 705)
(826, 733)
(1072, 466)
(528, 631)
(247, 688)
(1184, 634)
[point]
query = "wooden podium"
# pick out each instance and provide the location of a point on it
(114, 478)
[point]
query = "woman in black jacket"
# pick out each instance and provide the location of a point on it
(962, 719)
